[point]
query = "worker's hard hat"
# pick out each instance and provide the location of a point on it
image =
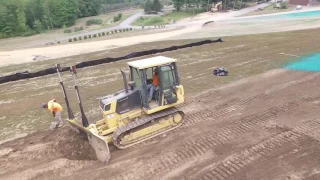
(44, 105)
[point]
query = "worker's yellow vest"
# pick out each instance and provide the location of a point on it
(54, 107)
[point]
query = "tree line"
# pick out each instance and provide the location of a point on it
(226, 4)
(27, 17)
(155, 6)
(152, 7)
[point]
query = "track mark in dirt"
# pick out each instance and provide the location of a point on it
(291, 83)
(207, 114)
(224, 108)
(236, 162)
(61, 167)
(275, 88)
(205, 143)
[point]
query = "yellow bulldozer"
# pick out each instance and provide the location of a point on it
(131, 115)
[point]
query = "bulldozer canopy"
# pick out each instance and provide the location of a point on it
(151, 62)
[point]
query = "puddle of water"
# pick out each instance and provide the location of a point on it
(309, 63)
(315, 13)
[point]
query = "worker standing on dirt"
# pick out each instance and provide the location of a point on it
(56, 110)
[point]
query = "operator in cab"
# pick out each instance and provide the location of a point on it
(154, 85)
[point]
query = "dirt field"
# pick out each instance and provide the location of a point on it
(65, 50)
(191, 31)
(263, 127)
(250, 26)
(244, 56)
(259, 123)
(245, 126)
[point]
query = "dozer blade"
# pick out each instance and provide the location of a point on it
(98, 143)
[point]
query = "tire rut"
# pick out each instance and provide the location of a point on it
(209, 114)
(269, 91)
(223, 108)
(205, 143)
(236, 162)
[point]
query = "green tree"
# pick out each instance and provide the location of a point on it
(148, 7)
(25, 17)
(37, 26)
(12, 18)
(34, 10)
(197, 3)
(63, 12)
(177, 4)
(156, 6)
(189, 3)
(7, 22)
(284, 5)
(89, 7)
(46, 22)
(21, 16)
(47, 17)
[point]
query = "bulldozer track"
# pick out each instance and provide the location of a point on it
(291, 83)
(213, 113)
(235, 163)
(267, 92)
(223, 108)
(226, 104)
(206, 142)
(137, 123)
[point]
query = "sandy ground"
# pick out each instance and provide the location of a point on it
(244, 56)
(244, 27)
(192, 30)
(262, 127)
(27, 55)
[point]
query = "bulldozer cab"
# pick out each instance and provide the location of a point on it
(142, 74)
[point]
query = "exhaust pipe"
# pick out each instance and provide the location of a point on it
(125, 82)
(83, 116)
